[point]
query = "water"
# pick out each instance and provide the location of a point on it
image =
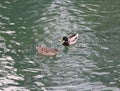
(92, 65)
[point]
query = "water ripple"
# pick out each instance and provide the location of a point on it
(93, 64)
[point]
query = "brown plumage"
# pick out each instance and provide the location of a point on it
(47, 51)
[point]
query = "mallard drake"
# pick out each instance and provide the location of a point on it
(70, 40)
(47, 51)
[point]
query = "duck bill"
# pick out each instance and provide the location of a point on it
(62, 41)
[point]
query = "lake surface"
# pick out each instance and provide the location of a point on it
(91, 65)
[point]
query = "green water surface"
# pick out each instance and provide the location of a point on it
(91, 65)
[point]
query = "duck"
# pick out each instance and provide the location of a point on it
(47, 51)
(70, 40)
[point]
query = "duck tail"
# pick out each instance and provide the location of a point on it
(37, 46)
(77, 34)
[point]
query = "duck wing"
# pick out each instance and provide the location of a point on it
(72, 39)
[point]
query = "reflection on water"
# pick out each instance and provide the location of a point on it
(92, 65)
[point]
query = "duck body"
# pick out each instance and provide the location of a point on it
(47, 51)
(70, 40)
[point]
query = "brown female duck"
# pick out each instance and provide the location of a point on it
(47, 51)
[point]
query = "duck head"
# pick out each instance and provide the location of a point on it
(65, 40)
